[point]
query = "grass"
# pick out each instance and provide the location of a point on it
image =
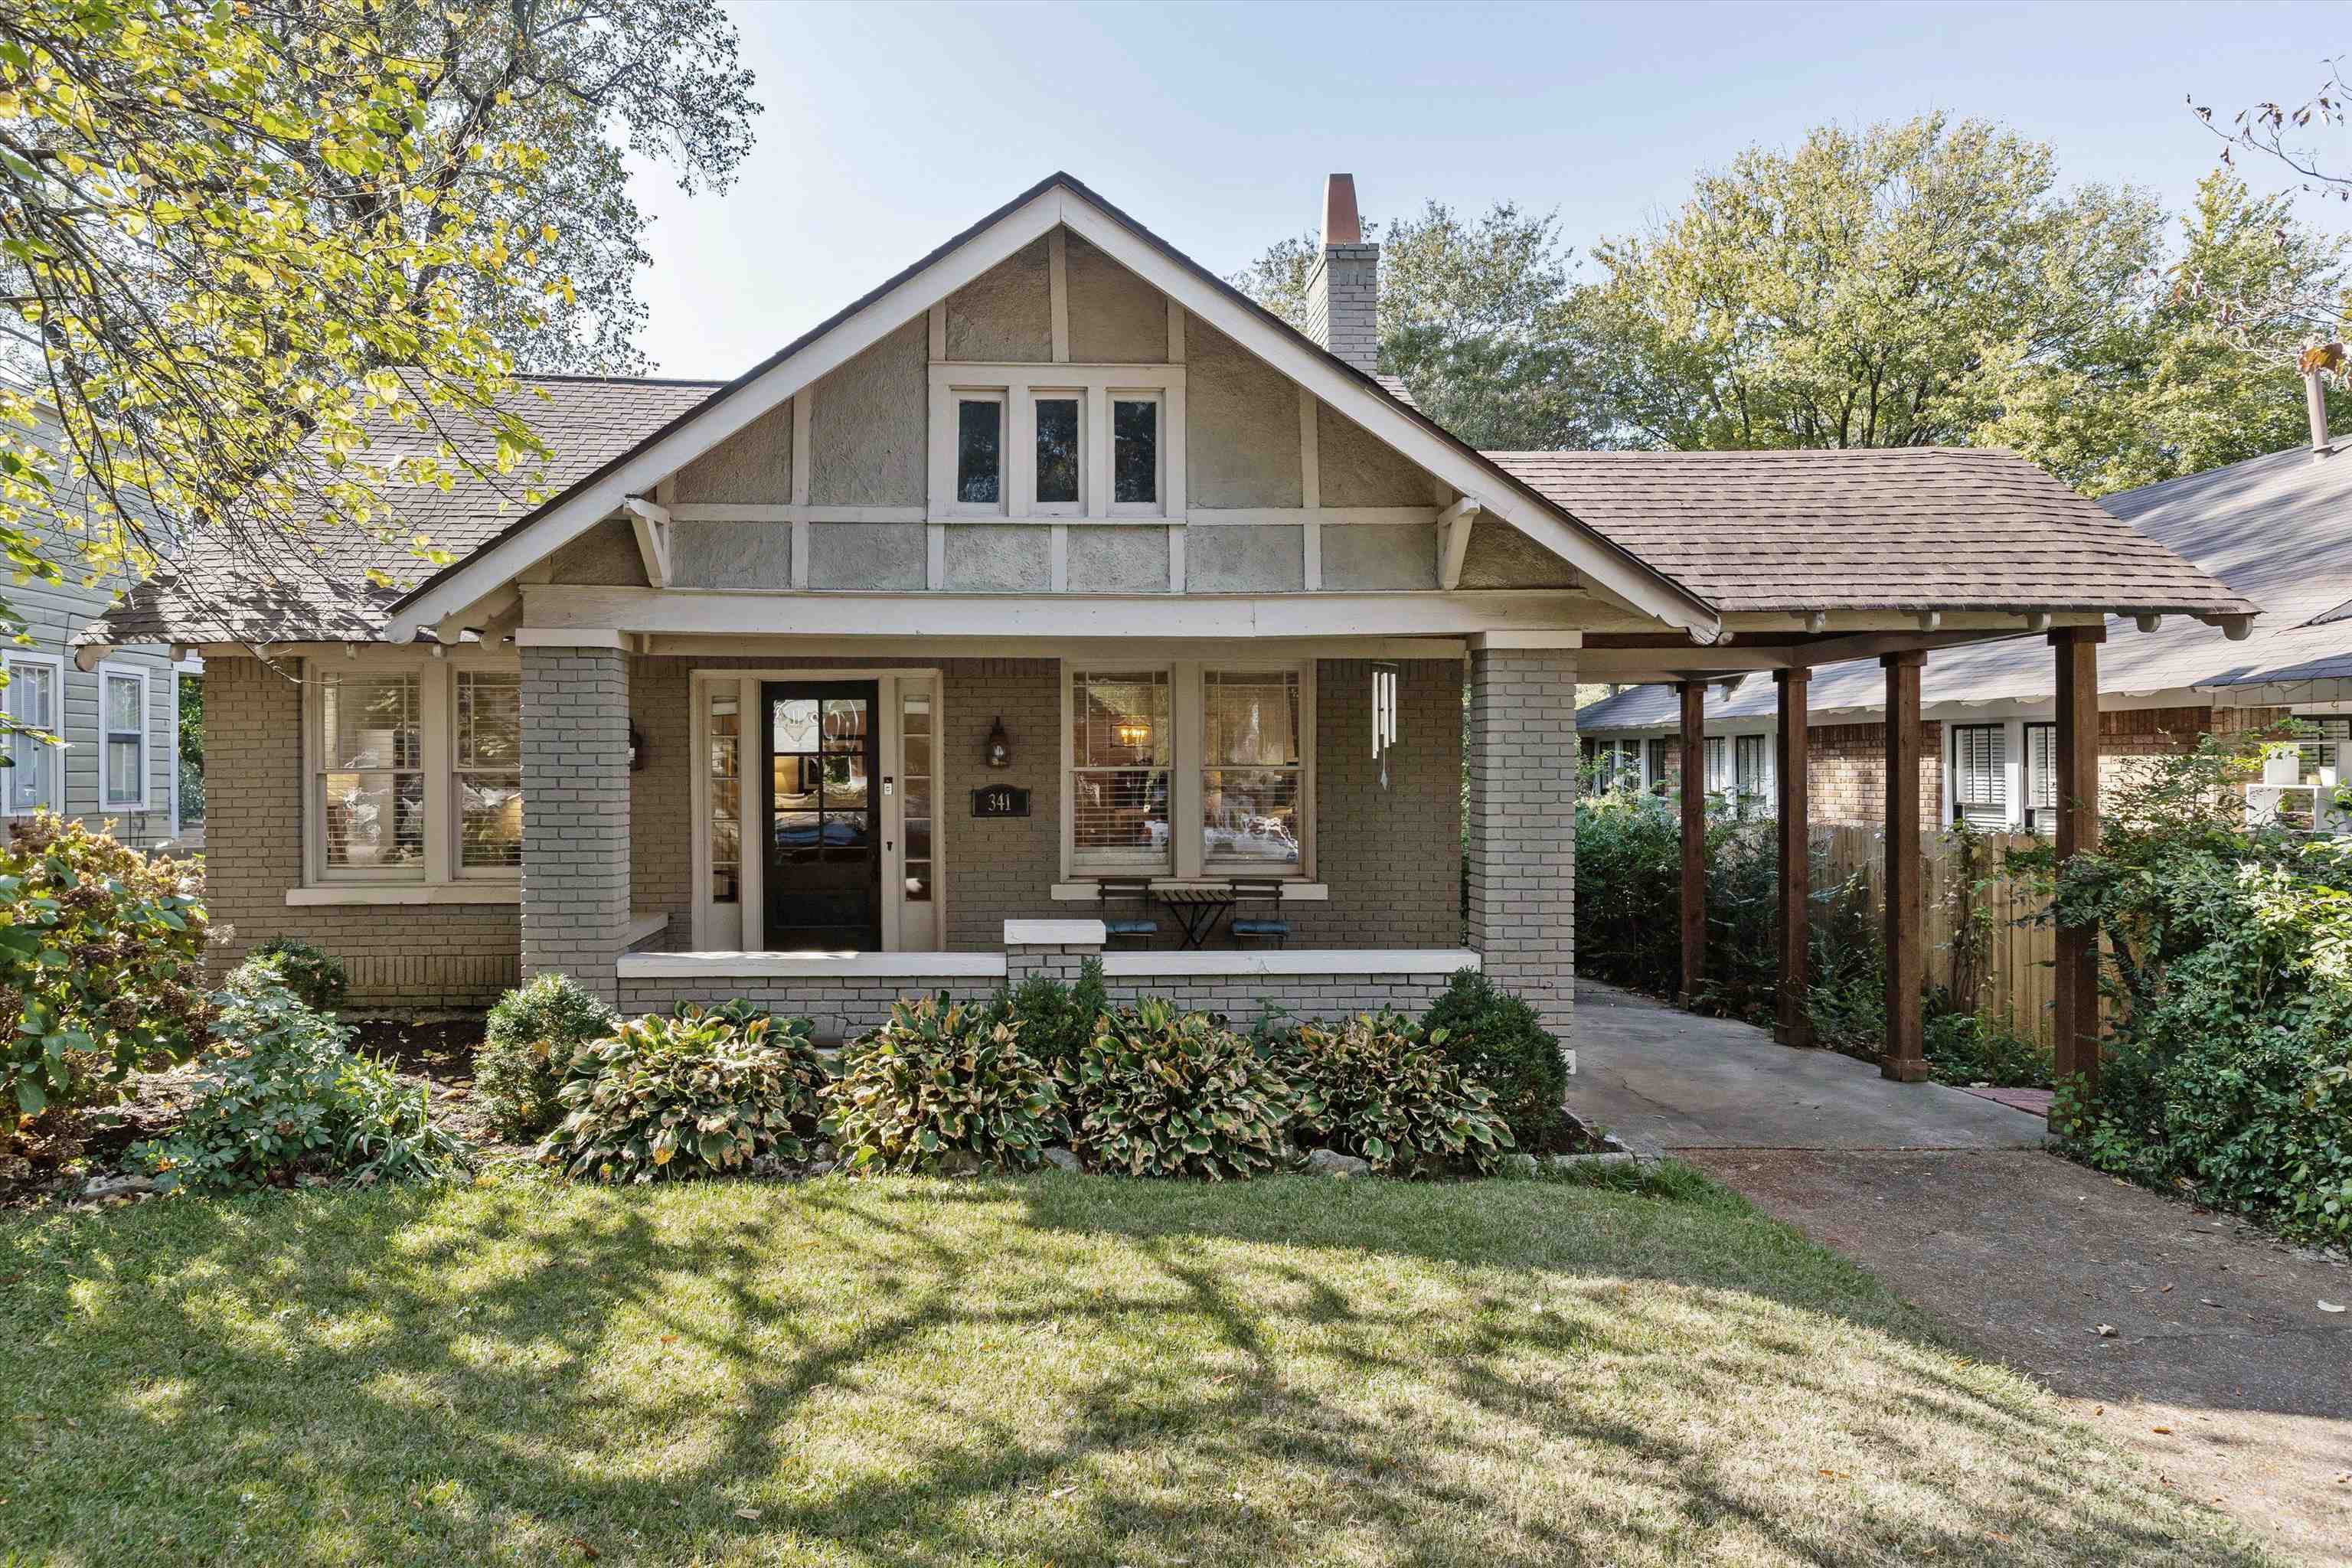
(1049, 1371)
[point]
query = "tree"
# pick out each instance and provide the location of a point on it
(1479, 317)
(2203, 371)
(579, 81)
(219, 230)
(2277, 132)
(1848, 293)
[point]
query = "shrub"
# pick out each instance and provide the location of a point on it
(667, 1097)
(101, 954)
(1498, 1042)
(2228, 960)
(529, 1045)
(1160, 1093)
(310, 971)
(1963, 1048)
(939, 1079)
(288, 1100)
(1376, 1087)
(1056, 1021)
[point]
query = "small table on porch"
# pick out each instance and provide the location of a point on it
(1197, 908)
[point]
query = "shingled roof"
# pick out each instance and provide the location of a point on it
(1902, 528)
(315, 587)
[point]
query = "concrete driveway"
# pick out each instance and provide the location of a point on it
(2223, 1371)
(1662, 1079)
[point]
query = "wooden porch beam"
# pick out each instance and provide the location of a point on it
(1694, 819)
(1907, 958)
(2075, 985)
(1794, 1024)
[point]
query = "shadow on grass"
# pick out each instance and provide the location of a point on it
(1052, 1370)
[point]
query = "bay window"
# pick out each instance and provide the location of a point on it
(35, 778)
(416, 774)
(1189, 770)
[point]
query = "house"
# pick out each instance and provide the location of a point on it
(1053, 580)
(114, 751)
(2272, 527)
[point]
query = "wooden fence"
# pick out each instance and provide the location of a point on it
(2018, 968)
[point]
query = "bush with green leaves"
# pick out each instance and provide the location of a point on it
(1498, 1043)
(1376, 1087)
(287, 1099)
(529, 1045)
(310, 971)
(1056, 1021)
(2227, 1072)
(102, 965)
(939, 1079)
(1162, 1093)
(664, 1099)
(1963, 1048)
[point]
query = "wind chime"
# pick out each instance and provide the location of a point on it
(1384, 716)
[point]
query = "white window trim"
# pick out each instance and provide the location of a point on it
(946, 503)
(1187, 762)
(458, 870)
(53, 756)
(108, 673)
(1095, 386)
(437, 880)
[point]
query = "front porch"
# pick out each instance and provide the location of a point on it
(676, 847)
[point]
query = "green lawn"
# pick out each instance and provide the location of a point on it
(1058, 1370)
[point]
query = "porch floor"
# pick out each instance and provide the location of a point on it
(1664, 1078)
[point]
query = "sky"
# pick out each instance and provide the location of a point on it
(887, 128)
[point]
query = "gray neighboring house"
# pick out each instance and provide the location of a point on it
(118, 716)
(2278, 529)
(1051, 590)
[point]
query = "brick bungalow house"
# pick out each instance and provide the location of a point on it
(1051, 580)
(2272, 527)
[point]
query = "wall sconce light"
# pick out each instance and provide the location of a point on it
(1000, 745)
(637, 748)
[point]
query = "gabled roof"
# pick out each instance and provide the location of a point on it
(1901, 528)
(1370, 401)
(315, 587)
(2276, 529)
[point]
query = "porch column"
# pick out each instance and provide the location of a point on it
(1906, 959)
(1694, 806)
(575, 795)
(1794, 1025)
(1522, 821)
(2075, 985)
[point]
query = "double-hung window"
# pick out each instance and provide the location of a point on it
(1752, 769)
(122, 738)
(415, 773)
(1190, 771)
(1981, 775)
(34, 779)
(1719, 765)
(2041, 777)
(1666, 760)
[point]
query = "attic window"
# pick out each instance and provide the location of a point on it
(1135, 453)
(979, 451)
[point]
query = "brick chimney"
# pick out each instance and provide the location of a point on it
(1344, 289)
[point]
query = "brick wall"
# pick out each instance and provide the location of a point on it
(1522, 825)
(1845, 775)
(575, 802)
(427, 956)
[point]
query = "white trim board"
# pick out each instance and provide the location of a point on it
(1618, 575)
(714, 967)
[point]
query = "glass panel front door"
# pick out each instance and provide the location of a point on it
(822, 883)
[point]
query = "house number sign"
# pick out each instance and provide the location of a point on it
(999, 800)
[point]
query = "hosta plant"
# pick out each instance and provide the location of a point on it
(1162, 1093)
(533, 1039)
(700, 1096)
(1377, 1088)
(939, 1080)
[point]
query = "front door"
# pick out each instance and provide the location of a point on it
(822, 886)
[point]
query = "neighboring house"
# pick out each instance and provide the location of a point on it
(116, 720)
(2278, 529)
(1054, 580)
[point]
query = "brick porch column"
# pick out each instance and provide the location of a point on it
(576, 825)
(1522, 821)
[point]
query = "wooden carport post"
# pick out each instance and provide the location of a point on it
(1794, 1025)
(2075, 986)
(1694, 808)
(1906, 960)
